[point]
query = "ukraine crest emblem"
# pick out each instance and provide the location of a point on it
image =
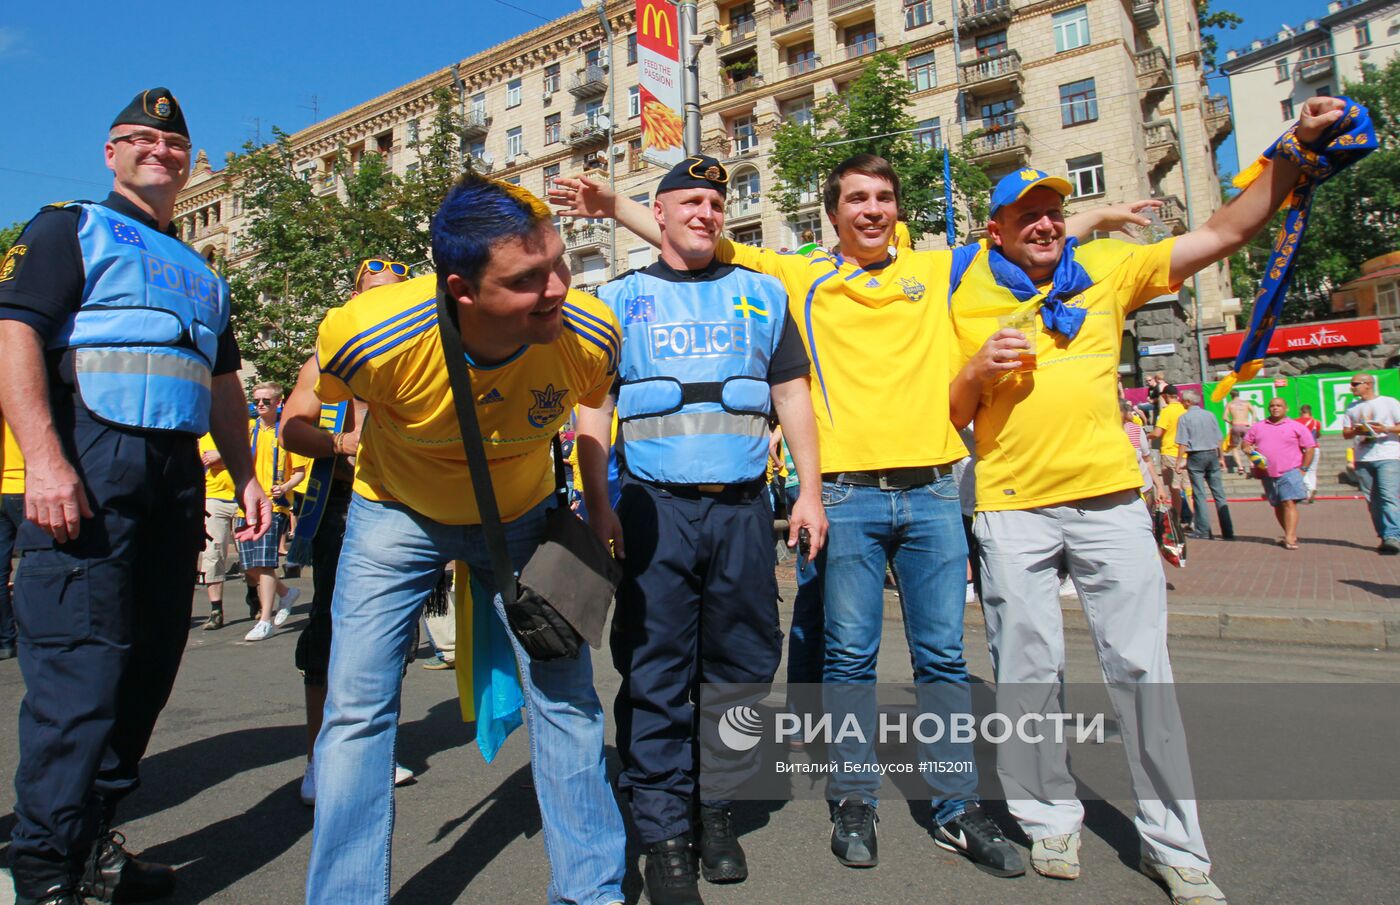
(913, 289)
(549, 405)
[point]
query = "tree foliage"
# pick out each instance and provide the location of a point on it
(1355, 214)
(307, 238)
(9, 235)
(1208, 19)
(872, 116)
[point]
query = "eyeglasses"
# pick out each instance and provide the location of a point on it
(260, 402)
(379, 265)
(1360, 383)
(147, 141)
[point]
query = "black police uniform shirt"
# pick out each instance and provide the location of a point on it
(43, 286)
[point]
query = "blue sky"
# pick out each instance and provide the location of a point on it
(68, 67)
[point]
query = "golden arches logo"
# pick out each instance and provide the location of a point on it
(655, 23)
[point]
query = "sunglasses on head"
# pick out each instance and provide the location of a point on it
(379, 265)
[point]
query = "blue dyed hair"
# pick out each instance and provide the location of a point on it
(476, 214)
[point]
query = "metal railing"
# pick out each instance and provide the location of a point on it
(986, 69)
(863, 47)
(807, 64)
(1002, 138)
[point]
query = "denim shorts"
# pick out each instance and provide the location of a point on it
(1286, 487)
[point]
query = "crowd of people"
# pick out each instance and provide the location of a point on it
(1004, 352)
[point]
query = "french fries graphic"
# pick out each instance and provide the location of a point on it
(662, 128)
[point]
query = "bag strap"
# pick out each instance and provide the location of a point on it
(463, 400)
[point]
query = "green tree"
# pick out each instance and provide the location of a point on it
(872, 116)
(1355, 215)
(1217, 19)
(9, 235)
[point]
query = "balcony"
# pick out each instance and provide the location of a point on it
(795, 16)
(738, 35)
(1310, 70)
(589, 82)
(1145, 14)
(1219, 123)
(836, 6)
(983, 15)
(999, 144)
(1173, 214)
(1162, 149)
(986, 74)
(586, 238)
(586, 134)
(862, 48)
(480, 163)
(807, 64)
(1154, 79)
(739, 86)
(917, 14)
(741, 207)
(475, 124)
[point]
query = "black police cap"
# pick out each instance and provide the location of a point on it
(697, 172)
(156, 108)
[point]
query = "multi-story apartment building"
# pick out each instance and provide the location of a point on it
(1082, 87)
(1271, 78)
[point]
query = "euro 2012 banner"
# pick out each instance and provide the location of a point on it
(659, 81)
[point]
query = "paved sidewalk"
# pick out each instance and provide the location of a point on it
(1335, 589)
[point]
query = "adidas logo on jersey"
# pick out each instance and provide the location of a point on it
(493, 396)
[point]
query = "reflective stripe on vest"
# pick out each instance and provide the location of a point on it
(694, 398)
(147, 331)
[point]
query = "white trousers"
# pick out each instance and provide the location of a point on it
(1106, 545)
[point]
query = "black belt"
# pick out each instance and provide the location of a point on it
(721, 493)
(890, 478)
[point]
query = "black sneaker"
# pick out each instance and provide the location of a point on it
(721, 857)
(853, 833)
(670, 874)
(59, 895)
(975, 836)
(112, 874)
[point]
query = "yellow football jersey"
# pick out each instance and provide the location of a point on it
(383, 347)
(218, 483)
(1055, 434)
(271, 463)
(12, 464)
(882, 350)
(1166, 420)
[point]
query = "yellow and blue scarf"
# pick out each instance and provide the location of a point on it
(1070, 279)
(1343, 143)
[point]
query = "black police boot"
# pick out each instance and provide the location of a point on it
(670, 873)
(59, 895)
(721, 857)
(112, 874)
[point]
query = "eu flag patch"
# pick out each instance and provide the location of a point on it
(639, 310)
(127, 234)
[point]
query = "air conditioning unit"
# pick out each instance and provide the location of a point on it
(619, 150)
(510, 161)
(548, 95)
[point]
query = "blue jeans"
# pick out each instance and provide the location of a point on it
(11, 517)
(1380, 481)
(805, 641)
(388, 566)
(920, 531)
(1204, 468)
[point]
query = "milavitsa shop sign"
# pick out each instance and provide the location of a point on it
(1305, 338)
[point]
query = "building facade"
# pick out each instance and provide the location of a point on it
(1270, 79)
(1079, 87)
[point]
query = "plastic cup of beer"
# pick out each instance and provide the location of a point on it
(1025, 322)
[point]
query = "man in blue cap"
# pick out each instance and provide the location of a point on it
(116, 354)
(709, 355)
(1039, 322)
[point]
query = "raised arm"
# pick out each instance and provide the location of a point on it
(1110, 217)
(580, 196)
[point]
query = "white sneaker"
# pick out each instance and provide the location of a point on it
(1067, 588)
(260, 632)
(1187, 885)
(284, 605)
(401, 774)
(1056, 856)
(971, 593)
(308, 785)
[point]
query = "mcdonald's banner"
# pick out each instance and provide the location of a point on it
(659, 76)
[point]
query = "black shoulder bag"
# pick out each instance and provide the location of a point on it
(562, 596)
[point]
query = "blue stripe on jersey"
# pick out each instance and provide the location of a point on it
(385, 341)
(601, 337)
(590, 337)
(425, 323)
(602, 326)
(812, 341)
(367, 337)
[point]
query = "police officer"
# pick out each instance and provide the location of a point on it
(709, 352)
(115, 356)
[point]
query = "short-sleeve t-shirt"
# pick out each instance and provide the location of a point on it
(882, 351)
(12, 466)
(271, 463)
(218, 483)
(1055, 434)
(383, 347)
(1171, 414)
(1382, 409)
(1281, 443)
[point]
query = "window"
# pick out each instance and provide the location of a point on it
(1078, 103)
(551, 78)
(749, 235)
(515, 143)
(922, 75)
(634, 102)
(798, 110)
(991, 45)
(592, 56)
(930, 134)
(410, 171)
(551, 129)
(642, 198)
(635, 162)
(637, 258)
(513, 180)
(1281, 71)
(860, 40)
(745, 197)
(917, 12)
(1086, 175)
(479, 104)
(411, 132)
(1071, 28)
(802, 58)
(1324, 91)
(1286, 108)
(1388, 300)
(632, 48)
(513, 93)
(807, 222)
(477, 149)
(745, 136)
(1363, 34)
(999, 114)
(550, 172)
(592, 110)
(741, 21)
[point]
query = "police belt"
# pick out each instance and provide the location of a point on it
(890, 478)
(721, 493)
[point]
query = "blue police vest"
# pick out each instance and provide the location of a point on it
(146, 335)
(694, 397)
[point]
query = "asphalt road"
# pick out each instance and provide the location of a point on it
(220, 799)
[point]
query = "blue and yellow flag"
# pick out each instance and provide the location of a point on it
(1344, 142)
(488, 680)
(318, 485)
